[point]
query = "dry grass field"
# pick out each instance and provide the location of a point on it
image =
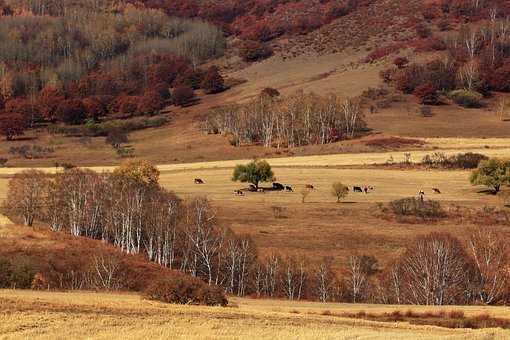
(44, 315)
(320, 227)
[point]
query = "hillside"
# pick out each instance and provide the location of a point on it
(62, 262)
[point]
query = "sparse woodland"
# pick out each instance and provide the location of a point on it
(130, 210)
(300, 119)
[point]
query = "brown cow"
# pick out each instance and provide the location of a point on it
(199, 181)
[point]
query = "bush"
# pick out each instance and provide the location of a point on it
(466, 98)
(423, 31)
(116, 137)
(412, 206)
(270, 92)
(11, 125)
(182, 95)
(185, 290)
(427, 93)
(3, 162)
(255, 51)
(31, 151)
(213, 81)
(71, 111)
(401, 62)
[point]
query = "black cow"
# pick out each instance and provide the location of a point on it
(238, 193)
(357, 189)
(289, 189)
(278, 186)
(199, 181)
(436, 190)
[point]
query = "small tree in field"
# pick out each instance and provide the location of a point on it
(492, 173)
(254, 172)
(140, 171)
(339, 191)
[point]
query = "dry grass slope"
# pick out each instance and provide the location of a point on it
(43, 315)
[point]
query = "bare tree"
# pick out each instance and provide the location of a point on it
(435, 271)
(27, 194)
(489, 251)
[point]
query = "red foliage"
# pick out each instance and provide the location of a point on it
(26, 108)
(427, 93)
(182, 95)
(127, 105)
(95, 107)
(213, 81)
(71, 111)
(401, 62)
(49, 99)
(11, 125)
(270, 92)
(499, 79)
(383, 51)
(150, 103)
(254, 51)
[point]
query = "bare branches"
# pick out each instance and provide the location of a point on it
(287, 122)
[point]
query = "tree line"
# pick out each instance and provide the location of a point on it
(129, 209)
(296, 120)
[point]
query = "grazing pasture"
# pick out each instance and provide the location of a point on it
(44, 315)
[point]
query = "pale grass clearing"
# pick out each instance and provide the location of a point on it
(47, 315)
(388, 184)
(330, 160)
(340, 73)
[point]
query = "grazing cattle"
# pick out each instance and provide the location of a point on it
(261, 190)
(357, 189)
(365, 189)
(289, 189)
(199, 181)
(238, 193)
(309, 186)
(252, 188)
(278, 186)
(436, 190)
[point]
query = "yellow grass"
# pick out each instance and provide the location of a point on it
(45, 315)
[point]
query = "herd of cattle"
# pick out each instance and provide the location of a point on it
(280, 187)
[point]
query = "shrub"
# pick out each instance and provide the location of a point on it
(71, 111)
(427, 93)
(339, 191)
(11, 125)
(213, 81)
(3, 162)
(255, 51)
(5, 273)
(151, 103)
(416, 207)
(466, 98)
(401, 62)
(185, 290)
(117, 136)
(270, 92)
(182, 95)
(423, 31)
(31, 151)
